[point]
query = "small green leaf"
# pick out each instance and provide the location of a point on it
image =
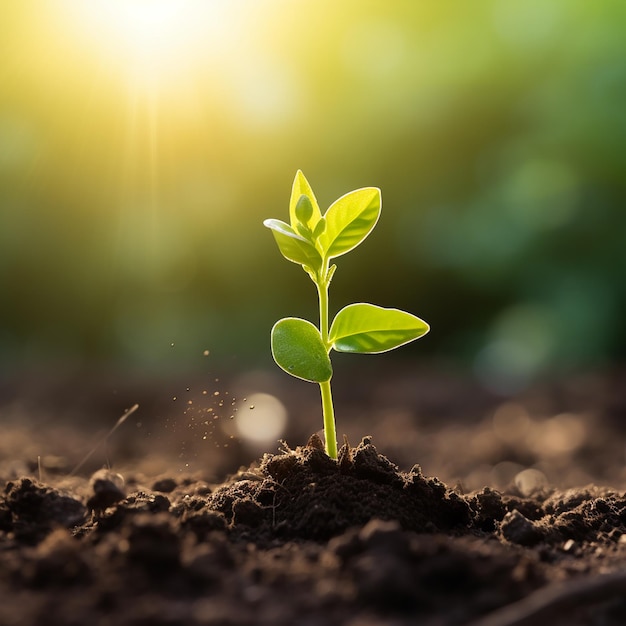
(301, 188)
(370, 329)
(297, 347)
(349, 221)
(319, 228)
(304, 210)
(294, 247)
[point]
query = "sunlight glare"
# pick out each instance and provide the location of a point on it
(154, 40)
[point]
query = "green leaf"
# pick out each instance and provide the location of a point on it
(301, 188)
(370, 329)
(350, 220)
(294, 247)
(297, 347)
(304, 210)
(319, 228)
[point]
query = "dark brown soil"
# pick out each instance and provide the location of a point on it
(303, 539)
(299, 539)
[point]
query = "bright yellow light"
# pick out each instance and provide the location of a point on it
(146, 26)
(154, 41)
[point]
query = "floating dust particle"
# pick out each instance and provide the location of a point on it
(172, 344)
(251, 406)
(190, 402)
(216, 393)
(174, 398)
(220, 403)
(205, 353)
(204, 392)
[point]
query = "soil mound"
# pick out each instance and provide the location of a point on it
(299, 538)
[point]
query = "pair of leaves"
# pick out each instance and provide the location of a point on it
(312, 238)
(298, 347)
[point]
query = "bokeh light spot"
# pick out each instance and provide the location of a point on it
(265, 423)
(530, 481)
(561, 435)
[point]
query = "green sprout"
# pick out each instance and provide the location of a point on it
(312, 240)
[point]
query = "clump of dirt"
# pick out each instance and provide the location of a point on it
(299, 538)
(304, 494)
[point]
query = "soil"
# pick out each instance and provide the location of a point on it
(296, 538)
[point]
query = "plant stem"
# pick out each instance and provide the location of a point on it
(329, 420)
(328, 410)
(322, 292)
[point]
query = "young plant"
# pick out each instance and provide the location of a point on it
(312, 240)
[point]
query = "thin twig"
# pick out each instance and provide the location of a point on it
(104, 439)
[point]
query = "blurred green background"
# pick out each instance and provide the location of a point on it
(143, 143)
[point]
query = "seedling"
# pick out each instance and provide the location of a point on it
(312, 240)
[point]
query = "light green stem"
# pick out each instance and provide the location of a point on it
(328, 410)
(329, 420)
(322, 292)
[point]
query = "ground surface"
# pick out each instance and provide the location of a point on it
(528, 527)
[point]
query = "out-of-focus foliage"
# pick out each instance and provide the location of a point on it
(140, 149)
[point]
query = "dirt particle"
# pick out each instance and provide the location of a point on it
(518, 529)
(164, 485)
(107, 487)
